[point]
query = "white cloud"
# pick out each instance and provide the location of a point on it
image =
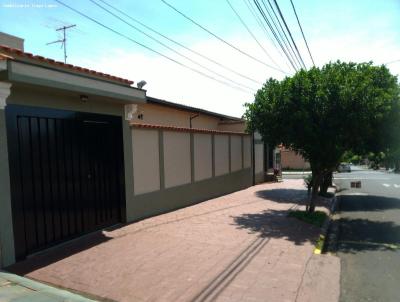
(172, 82)
(175, 83)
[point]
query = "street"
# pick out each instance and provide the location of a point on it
(368, 237)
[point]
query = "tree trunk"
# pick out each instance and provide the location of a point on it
(397, 166)
(326, 182)
(316, 182)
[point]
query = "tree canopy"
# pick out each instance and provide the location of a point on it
(323, 112)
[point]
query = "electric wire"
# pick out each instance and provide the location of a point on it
(259, 8)
(281, 32)
(290, 34)
(181, 45)
(170, 48)
(147, 47)
(391, 62)
(264, 29)
(251, 33)
(301, 29)
(219, 38)
(277, 34)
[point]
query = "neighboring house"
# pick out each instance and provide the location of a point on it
(291, 160)
(82, 150)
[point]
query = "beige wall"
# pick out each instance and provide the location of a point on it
(221, 154)
(291, 160)
(177, 159)
(157, 168)
(202, 148)
(234, 127)
(246, 151)
(11, 41)
(146, 168)
(259, 158)
(160, 115)
(179, 153)
(236, 153)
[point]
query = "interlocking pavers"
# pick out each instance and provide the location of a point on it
(238, 247)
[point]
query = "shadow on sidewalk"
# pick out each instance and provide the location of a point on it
(284, 195)
(296, 196)
(57, 253)
(276, 224)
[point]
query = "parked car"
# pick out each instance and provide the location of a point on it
(344, 167)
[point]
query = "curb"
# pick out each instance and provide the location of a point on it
(36, 290)
(321, 241)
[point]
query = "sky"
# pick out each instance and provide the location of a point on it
(357, 30)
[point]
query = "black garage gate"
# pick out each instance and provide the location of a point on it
(67, 175)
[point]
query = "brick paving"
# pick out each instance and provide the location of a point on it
(238, 247)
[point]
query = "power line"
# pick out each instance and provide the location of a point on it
(264, 29)
(170, 48)
(219, 38)
(181, 45)
(146, 47)
(288, 30)
(281, 32)
(250, 32)
(304, 37)
(285, 39)
(391, 62)
(262, 26)
(259, 8)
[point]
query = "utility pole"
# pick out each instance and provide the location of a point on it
(63, 41)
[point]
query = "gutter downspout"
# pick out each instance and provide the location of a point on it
(192, 118)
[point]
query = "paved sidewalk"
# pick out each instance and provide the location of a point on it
(238, 247)
(15, 288)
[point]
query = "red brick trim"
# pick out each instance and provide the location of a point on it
(184, 129)
(61, 64)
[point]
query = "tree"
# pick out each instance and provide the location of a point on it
(323, 112)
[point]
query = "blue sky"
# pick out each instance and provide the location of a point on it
(358, 30)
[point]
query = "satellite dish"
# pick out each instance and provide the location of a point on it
(141, 84)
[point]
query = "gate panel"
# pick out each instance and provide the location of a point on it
(66, 174)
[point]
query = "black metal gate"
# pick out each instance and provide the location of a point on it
(66, 171)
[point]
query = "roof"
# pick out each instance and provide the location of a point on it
(184, 129)
(165, 103)
(14, 54)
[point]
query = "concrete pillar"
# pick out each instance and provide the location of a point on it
(7, 252)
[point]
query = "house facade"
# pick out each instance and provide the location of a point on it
(82, 150)
(291, 160)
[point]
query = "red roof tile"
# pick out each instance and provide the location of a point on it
(20, 53)
(184, 129)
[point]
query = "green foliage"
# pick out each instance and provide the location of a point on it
(316, 218)
(323, 112)
(350, 157)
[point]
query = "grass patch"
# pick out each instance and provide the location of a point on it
(316, 218)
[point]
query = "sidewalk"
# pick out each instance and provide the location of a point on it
(15, 288)
(296, 172)
(238, 247)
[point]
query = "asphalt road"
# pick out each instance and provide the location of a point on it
(369, 236)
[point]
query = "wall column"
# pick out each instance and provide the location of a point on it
(7, 251)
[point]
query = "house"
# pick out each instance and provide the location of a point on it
(291, 160)
(82, 150)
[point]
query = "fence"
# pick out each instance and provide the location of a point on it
(177, 167)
